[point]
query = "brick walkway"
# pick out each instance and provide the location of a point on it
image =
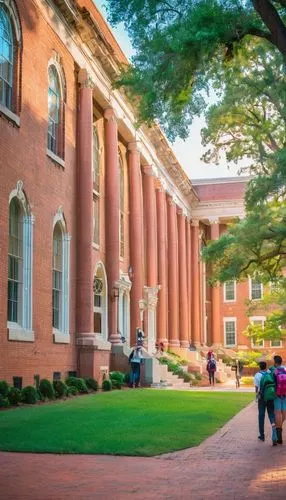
(231, 465)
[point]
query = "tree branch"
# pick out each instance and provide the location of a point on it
(274, 23)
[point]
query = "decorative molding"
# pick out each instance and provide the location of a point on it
(109, 115)
(10, 6)
(85, 80)
(134, 147)
(195, 222)
(17, 333)
(213, 220)
(20, 195)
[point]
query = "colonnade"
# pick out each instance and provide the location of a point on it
(164, 245)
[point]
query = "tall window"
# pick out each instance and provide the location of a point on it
(97, 304)
(230, 332)
(15, 263)
(96, 187)
(257, 321)
(256, 289)
(6, 59)
(121, 204)
(229, 291)
(55, 114)
(57, 277)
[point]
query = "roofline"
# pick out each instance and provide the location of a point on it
(221, 180)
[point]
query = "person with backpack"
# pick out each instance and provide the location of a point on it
(211, 369)
(280, 400)
(264, 383)
(135, 359)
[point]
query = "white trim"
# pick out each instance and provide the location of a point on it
(100, 272)
(55, 158)
(9, 114)
(17, 333)
(60, 337)
(221, 180)
(251, 320)
(27, 304)
(229, 319)
(250, 289)
(10, 6)
(65, 299)
(276, 346)
(224, 292)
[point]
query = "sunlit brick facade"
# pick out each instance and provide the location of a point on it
(100, 228)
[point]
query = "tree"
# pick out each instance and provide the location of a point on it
(181, 45)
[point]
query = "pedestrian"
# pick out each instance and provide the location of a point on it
(210, 355)
(265, 393)
(211, 369)
(238, 372)
(280, 400)
(135, 359)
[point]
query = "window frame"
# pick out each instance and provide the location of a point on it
(251, 320)
(250, 290)
(95, 192)
(57, 155)
(234, 291)
(276, 346)
(230, 319)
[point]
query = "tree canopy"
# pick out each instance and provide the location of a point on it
(182, 44)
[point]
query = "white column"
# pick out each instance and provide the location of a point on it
(66, 284)
(27, 303)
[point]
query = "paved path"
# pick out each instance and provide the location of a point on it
(231, 465)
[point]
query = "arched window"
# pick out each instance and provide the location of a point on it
(55, 114)
(60, 297)
(6, 59)
(121, 204)
(96, 187)
(15, 263)
(100, 315)
(20, 266)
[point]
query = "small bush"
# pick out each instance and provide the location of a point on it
(14, 396)
(163, 360)
(60, 388)
(46, 389)
(106, 385)
(91, 383)
(78, 383)
(4, 388)
(194, 382)
(117, 377)
(187, 377)
(198, 376)
(29, 395)
(4, 402)
(127, 378)
(72, 391)
(172, 366)
(246, 380)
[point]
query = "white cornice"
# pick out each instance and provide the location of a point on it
(221, 180)
(223, 209)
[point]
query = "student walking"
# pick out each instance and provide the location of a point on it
(211, 369)
(280, 400)
(135, 359)
(264, 385)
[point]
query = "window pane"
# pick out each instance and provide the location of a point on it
(275, 343)
(96, 220)
(57, 276)
(6, 59)
(54, 111)
(256, 289)
(15, 263)
(229, 333)
(230, 290)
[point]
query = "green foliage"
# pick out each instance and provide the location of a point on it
(60, 388)
(127, 378)
(187, 377)
(72, 391)
(182, 46)
(29, 395)
(4, 402)
(118, 376)
(4, 388)
(246, 380)
(106, 385)
(78, 383)
(46, 389)
(91, 383)
(198, 376)
(14, 396)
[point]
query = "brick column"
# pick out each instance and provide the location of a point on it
(136, 236)
(173, 289)
(215, 294)
(183, 290)
(150, 225)
(112, 219)
(189, 276)
(84, 288)
(162, 311)
(196, 323)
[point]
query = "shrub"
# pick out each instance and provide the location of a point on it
(72, 391)
(60, 388)
(14, 395)
(163, 360)
(246, 380)
(4, 402)
(198, 376)
(187, 377)
(46, 389)
(78, 383)
(29, 395)
(172, 366)
(4, 388)
(117, 377)
(106, 385)
(91, 383)
(127, 378)
(194, 382)
(116, 384)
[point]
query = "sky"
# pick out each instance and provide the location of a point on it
(188, 152)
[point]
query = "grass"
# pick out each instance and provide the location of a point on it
(141, 423)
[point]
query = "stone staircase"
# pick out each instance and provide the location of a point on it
(168, 379)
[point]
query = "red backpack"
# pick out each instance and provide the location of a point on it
(280, 374)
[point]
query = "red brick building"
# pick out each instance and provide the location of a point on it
(100, 228)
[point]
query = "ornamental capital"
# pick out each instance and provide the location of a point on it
(195, 222)
(134, 147)
(109, 114)
(213, 220)
(85, 80)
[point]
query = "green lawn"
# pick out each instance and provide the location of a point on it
(144, 422)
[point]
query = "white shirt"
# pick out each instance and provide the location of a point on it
(257, 378)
